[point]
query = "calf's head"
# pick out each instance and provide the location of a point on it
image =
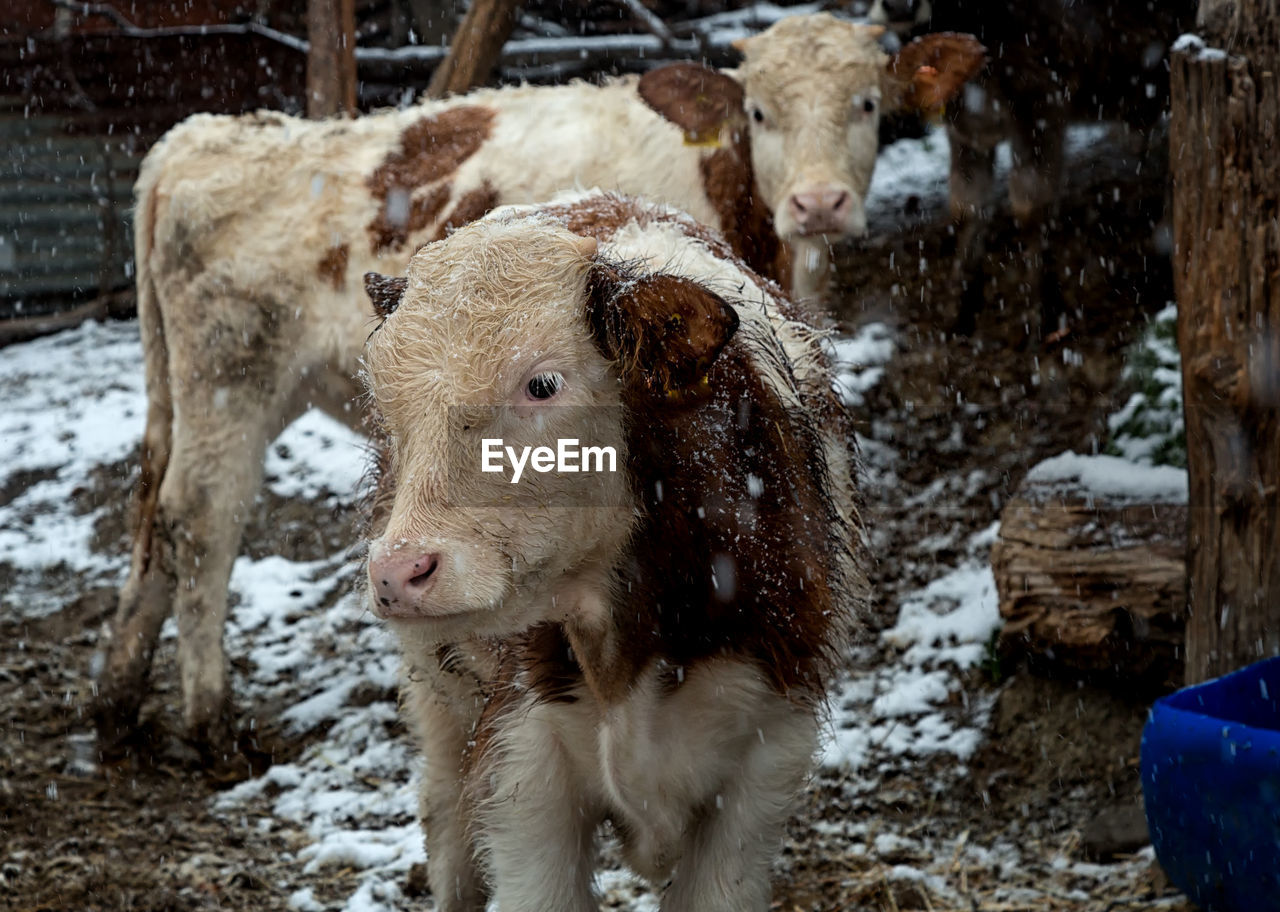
(516, 330)
(814, 89)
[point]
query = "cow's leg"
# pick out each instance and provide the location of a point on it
(725, 862)
(442, 708)
(147, 595)
(536, 828)
(1034, 190)
(130, 640)
(214, 475)
(973, 156)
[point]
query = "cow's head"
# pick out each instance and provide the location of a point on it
(814, 88)
(514, 329)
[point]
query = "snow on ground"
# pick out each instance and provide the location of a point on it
(73, 402)
(896, 702)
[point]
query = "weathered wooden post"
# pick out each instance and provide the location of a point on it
(1225, 159)
(475, 47)
(331, 60)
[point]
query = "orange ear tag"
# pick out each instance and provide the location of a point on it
(927, 77)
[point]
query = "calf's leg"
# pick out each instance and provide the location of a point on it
(214, 474)
(537, 827)
(725, 862)
(442, 708)
(144, 602)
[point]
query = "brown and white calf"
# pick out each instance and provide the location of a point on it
(649, 646)
(252, 232)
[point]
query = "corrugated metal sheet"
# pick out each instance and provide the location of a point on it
(77, 113)
(64, 212)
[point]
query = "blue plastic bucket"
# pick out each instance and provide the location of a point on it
(1211, 786)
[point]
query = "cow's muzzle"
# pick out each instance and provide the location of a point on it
(825, 209)
(401, 583)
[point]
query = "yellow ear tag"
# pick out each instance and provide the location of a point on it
(708, 138)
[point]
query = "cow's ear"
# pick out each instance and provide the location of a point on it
(664, 331)
(930, 71)
(384, 291)
(697, 99)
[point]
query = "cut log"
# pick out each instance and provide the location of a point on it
(1092, 586)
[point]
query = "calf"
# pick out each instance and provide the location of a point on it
(1091, 61)
(649, 646)
(249, 232)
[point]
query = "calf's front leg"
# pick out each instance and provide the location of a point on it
(725, 862)
(537, 825)
(442, 707)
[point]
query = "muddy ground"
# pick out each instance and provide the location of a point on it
(969, 416)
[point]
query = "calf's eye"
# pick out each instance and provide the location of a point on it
(544, 386)
(869, 105)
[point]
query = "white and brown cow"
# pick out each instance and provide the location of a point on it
(252, 232)
(649, 646)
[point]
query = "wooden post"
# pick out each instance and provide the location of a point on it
(331, 61)
(1225, 159)
(475, 48)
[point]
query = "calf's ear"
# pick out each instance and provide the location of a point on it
(930, 71)
(697, 99)
(384, 291)
(664, 331)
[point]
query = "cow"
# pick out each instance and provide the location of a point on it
(649, 646)
(1095, 60)
(251, 233)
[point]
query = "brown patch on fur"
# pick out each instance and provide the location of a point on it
(391, 234)
(663, 329)
(472, 205)
(385, 292)
(430, 150)
(701, 101)
(746, 221)
(714, 570)
(695, 98)
(931, 70)
(333, 265)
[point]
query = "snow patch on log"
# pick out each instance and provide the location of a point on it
(1110, 478)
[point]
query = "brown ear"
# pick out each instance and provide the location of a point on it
(695, 98)
(931, 70)
(384, 291)
(664, 330)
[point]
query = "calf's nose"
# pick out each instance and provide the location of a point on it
(824, 210)
(400, 580)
